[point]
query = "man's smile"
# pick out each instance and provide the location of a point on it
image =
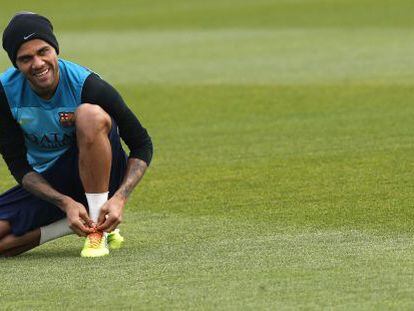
(42, 73)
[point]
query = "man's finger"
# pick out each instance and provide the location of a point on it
(75, 227)
(102, 217)
(107, 223)
(85, 230)
(77, 230)
(86, 220)
(104, 226)
(83, 214)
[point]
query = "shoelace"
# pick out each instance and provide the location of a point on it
(95, 239)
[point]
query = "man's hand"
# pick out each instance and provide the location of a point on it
(76, 213)
(110, 215)
(78, 218)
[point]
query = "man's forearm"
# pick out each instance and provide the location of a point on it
(134, 172)
(37, 185)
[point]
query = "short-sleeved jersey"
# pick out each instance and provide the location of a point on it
(47, 125)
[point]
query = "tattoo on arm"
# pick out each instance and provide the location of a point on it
(134, 172)
(37, 185)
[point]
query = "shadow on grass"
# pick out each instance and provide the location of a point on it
(49, 253)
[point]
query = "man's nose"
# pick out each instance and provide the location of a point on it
(37, 62)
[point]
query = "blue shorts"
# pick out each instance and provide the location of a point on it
(26, 212)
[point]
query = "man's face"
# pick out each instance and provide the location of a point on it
(38, 62)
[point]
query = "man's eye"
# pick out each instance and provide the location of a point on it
(44, 51)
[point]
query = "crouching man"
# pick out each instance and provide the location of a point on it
(60, 130)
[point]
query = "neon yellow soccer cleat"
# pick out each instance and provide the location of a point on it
(95, 245)
(115, 239)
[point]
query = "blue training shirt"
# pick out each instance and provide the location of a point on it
(47, 124)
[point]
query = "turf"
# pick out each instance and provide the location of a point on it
(282, 173)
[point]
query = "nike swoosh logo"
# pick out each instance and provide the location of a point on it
(28, 36)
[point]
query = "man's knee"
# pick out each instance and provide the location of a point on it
(91, 120)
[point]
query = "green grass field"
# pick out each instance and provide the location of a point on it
(283, 169)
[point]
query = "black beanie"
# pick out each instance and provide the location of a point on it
(24, 27)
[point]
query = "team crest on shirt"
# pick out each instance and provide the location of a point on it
(67, 118)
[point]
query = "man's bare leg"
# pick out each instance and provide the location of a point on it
(95, 154)
(19, 250)
(5, 228)
(11, 245)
